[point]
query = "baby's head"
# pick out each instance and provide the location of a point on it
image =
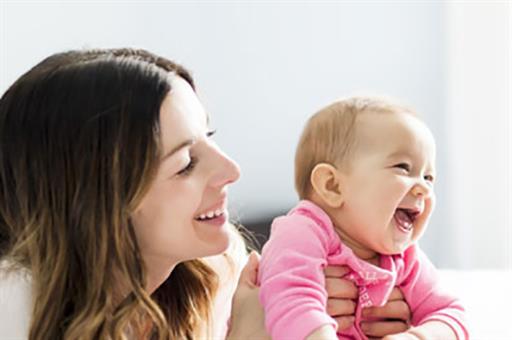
(370, 164)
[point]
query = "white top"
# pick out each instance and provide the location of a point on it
(15, 303)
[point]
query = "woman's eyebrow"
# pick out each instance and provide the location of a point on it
(177, 148)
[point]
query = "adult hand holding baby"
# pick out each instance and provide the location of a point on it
(247, 320)
(391, 318)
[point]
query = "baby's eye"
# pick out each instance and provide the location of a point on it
(404, 166)
(429, 178)
(211, 133)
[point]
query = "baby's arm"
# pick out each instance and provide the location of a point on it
(292, 281)
(429, 330)
(433, 330)
(326, 332)
(435, 314)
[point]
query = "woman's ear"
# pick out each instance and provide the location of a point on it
(326, 183)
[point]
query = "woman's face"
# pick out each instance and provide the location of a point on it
(184, 214)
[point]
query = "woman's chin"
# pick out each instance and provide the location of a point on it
(214, 242)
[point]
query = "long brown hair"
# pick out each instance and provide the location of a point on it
(79, 138)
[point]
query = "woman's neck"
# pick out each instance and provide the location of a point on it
(157, 271)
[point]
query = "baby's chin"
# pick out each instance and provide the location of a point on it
(396, 249)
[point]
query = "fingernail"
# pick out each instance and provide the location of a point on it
(254, 253)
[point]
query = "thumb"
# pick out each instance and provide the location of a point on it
(249, 274)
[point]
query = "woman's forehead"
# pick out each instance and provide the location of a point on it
(182, 115)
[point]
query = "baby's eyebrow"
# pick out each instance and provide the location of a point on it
(399, 153)
(404, 153)
(432, 170)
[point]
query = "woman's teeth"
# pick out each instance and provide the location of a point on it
(210, 214)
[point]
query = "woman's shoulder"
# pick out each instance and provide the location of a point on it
(15, 301)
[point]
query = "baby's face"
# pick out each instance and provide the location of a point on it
(389, 189)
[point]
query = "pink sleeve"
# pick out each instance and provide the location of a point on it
(292, 282)
(426, 298)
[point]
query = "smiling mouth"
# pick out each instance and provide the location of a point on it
(405, 218)
(210, 215)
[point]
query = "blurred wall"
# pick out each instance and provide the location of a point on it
(263, 68)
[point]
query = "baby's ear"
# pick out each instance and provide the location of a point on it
(326, 183)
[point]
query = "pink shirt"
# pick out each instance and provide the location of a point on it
(292, 282)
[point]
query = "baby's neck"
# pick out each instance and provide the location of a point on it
(359, 250)
(364, 254)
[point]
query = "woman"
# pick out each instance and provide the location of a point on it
(113, 220)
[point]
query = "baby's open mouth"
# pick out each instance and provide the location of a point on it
(405, 218)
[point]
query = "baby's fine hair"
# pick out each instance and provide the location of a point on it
(329, 135)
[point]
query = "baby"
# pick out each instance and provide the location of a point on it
(365, 172)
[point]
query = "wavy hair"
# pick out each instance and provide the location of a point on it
(79, 139)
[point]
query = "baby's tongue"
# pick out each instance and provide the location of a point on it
(403, 219)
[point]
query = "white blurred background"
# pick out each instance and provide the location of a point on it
(263, 67)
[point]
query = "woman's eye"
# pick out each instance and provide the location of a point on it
(404, 166)
(190, 166)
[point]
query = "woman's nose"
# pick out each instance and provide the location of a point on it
(227, 171)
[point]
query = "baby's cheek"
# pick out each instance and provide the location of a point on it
(419, 230)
